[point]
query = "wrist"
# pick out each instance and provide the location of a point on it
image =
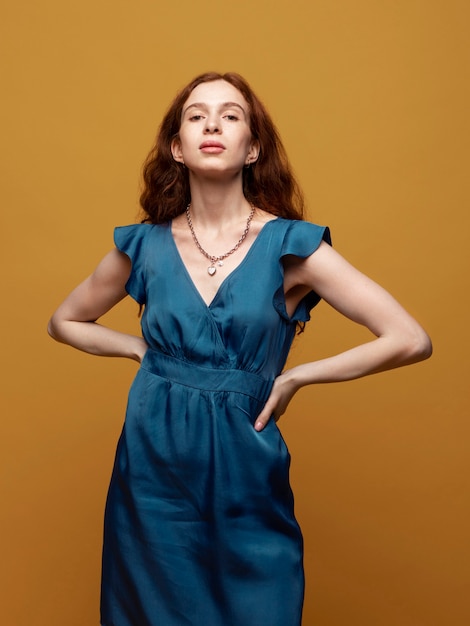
(293, 378)
(139, 349)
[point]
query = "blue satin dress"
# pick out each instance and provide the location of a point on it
(199, 524)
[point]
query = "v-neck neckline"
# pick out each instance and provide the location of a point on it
(208, 305)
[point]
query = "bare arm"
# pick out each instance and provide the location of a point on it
(400, 340)
(74, 322)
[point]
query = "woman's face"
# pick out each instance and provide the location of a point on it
(215, 136)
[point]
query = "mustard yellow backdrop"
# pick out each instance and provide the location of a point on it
(372, 100)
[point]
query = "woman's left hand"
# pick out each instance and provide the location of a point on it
(281, 394)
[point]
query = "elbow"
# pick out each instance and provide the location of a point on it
(426, 348)
(50, 328)
(418, 347)
(53, 329)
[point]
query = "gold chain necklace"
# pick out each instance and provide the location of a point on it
(211, 270)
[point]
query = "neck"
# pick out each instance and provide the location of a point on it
(214, 203)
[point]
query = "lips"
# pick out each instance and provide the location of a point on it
(212, 146)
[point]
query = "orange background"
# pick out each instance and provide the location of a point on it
(371, 99)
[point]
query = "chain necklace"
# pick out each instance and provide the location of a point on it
(211, 270)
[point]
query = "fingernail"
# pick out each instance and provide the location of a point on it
(258, 425)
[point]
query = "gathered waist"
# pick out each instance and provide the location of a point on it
(205, 378)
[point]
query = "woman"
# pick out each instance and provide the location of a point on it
(199, 524)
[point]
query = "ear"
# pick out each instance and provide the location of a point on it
(176, 150)
(253, 152)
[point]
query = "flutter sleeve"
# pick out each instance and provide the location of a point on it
(301, 239)
(132, 241)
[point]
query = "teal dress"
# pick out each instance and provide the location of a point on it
(199, 524)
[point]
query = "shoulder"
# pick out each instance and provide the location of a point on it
(139, 230)
(137, 241)
(133, 236)
(299, 237)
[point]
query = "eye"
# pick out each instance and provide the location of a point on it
(231, 117)
(195, 118)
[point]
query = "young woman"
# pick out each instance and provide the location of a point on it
(199, 524)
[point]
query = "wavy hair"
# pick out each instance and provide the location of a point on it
(269, 183)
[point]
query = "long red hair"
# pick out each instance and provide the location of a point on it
(269, 184)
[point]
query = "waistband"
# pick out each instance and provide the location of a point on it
(206, 378)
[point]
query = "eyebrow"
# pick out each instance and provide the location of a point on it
(224, 105)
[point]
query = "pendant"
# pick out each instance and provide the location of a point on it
(211, 270)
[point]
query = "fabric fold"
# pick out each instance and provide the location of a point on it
(301, 239)
(131, 240)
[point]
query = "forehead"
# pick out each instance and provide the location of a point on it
(216, 92)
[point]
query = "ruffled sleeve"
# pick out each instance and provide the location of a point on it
(301, 239)
(131, 240)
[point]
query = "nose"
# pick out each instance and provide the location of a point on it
(212, 126)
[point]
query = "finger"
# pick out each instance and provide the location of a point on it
(263, 418)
